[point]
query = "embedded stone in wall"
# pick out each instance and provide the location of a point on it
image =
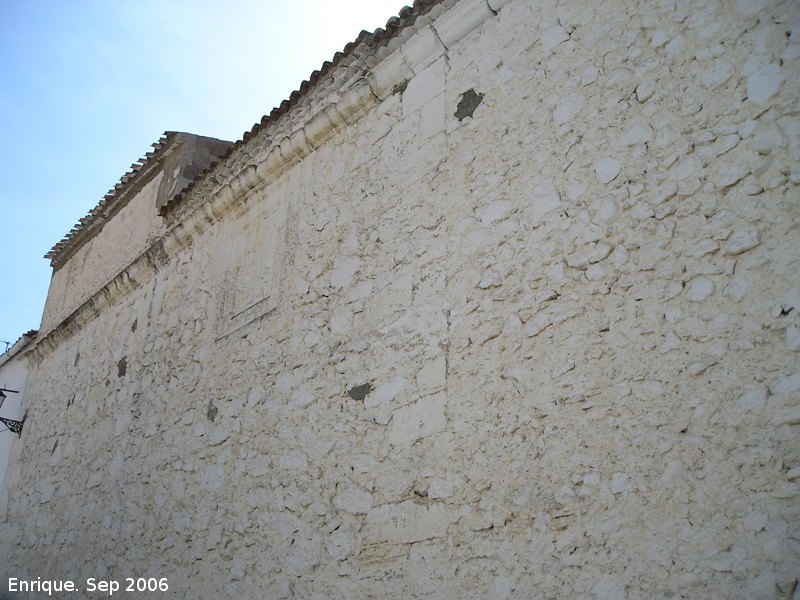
(607, 169)
(546, 198)
(418, 420)
(405, 523)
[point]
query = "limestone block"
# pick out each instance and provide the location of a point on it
(754, 399)
(422, 49)
(212, 477)
(46, 490)
(589, 75)
(659, 38)
(703, 247)
(496, 211)
(383, 395)
(737, 289)
(716, 74)
(490, 279)
(606, 169)
(500, 588)
(496, 5)
(218, 435)
(456, 23)
(596, 272)
(341, 318)
(700, 289)
(546, 198)
(432, 118)
(342, 544)
(432, 376)
(566, 109)
(609, 588)
(421, 419)
(793, 338)
(674, 474)
(636, 132)
(304, 554)
(645, 90)
(123, 422)
(786, 385)
(704, 362)
(344, 271)
(741, 241)
(293, 460)
(440, 488)
(386, 75)
(424, 87)
(791, 300)
(764, 83)
(552, 37)
(354, 500)
(725, 144)
(354, 101)
(301, 398)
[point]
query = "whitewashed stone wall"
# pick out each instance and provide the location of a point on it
(549, 350)
(122, 238)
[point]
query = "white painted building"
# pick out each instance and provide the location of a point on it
(13, 376)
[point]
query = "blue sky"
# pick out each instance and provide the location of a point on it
(86, 86)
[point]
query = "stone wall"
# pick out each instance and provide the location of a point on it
(526, 327)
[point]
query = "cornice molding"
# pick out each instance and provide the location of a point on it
(132, 277)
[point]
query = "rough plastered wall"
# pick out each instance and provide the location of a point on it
(549, 350)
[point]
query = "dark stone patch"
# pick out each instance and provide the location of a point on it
(77, 358)
(122, 367)
(360, 392)
(470, 100)
(212, 411)
(135, 325)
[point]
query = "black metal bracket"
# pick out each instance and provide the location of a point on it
(12, 425)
